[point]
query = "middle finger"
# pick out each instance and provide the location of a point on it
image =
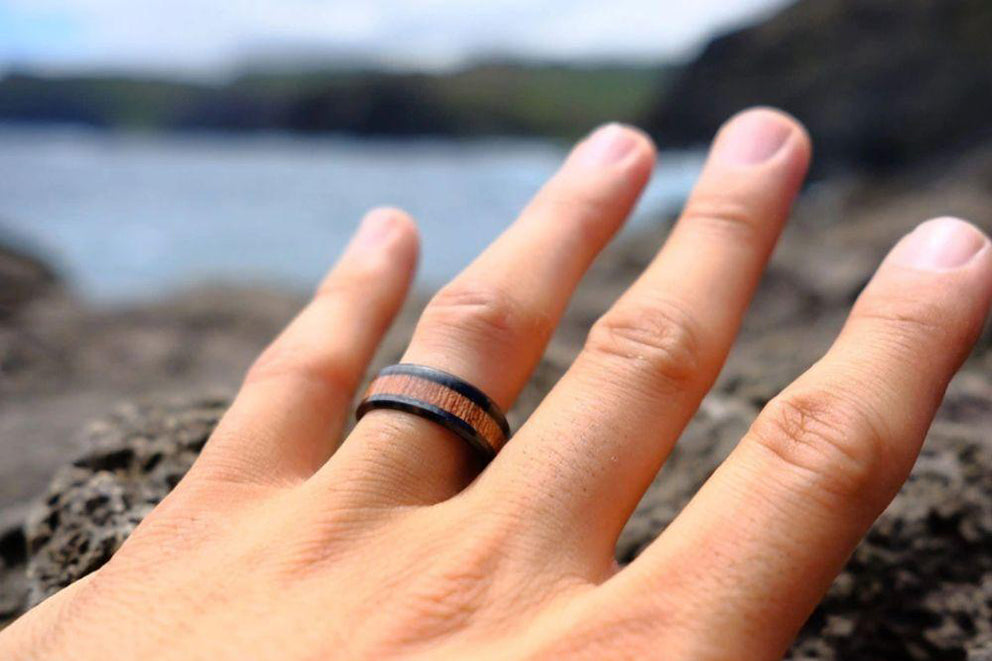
(586, 456)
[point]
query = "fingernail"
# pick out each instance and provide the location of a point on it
(607, 145)
(939, 245)
(752, 137)
(375, 227)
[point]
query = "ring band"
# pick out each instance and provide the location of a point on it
(442, 398)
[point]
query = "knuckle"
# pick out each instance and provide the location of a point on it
(486, 313)
(831, 439)
(724, 215)
(662, 337)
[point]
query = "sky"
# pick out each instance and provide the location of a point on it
(213, 37)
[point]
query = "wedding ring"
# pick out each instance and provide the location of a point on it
(442, 398)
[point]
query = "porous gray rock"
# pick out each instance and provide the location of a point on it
(62, 363)
(135, 457)
(13, 580)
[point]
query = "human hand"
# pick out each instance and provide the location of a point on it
(281, 545)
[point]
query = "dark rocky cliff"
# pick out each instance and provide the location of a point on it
(879, 83)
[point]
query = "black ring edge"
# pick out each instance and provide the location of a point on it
(460, 386)
(423, 409)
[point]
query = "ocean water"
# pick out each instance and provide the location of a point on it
(131, 216)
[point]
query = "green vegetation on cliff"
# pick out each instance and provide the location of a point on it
(486, 99)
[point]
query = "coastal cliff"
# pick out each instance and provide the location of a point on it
(880, 84)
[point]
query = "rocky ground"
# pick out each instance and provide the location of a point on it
(919, 586)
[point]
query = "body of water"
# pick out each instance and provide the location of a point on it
(130, 216)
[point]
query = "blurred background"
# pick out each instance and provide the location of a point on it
(148, 145)
(175, 175)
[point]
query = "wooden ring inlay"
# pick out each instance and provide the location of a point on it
(443, 398)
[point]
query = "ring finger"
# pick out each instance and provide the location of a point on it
(586, 456)
(490, 325)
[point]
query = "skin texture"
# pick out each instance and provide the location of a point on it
(283, 542)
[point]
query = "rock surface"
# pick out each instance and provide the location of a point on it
(62, 364)
(918, 587)
(135, 457)
(879, 83)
